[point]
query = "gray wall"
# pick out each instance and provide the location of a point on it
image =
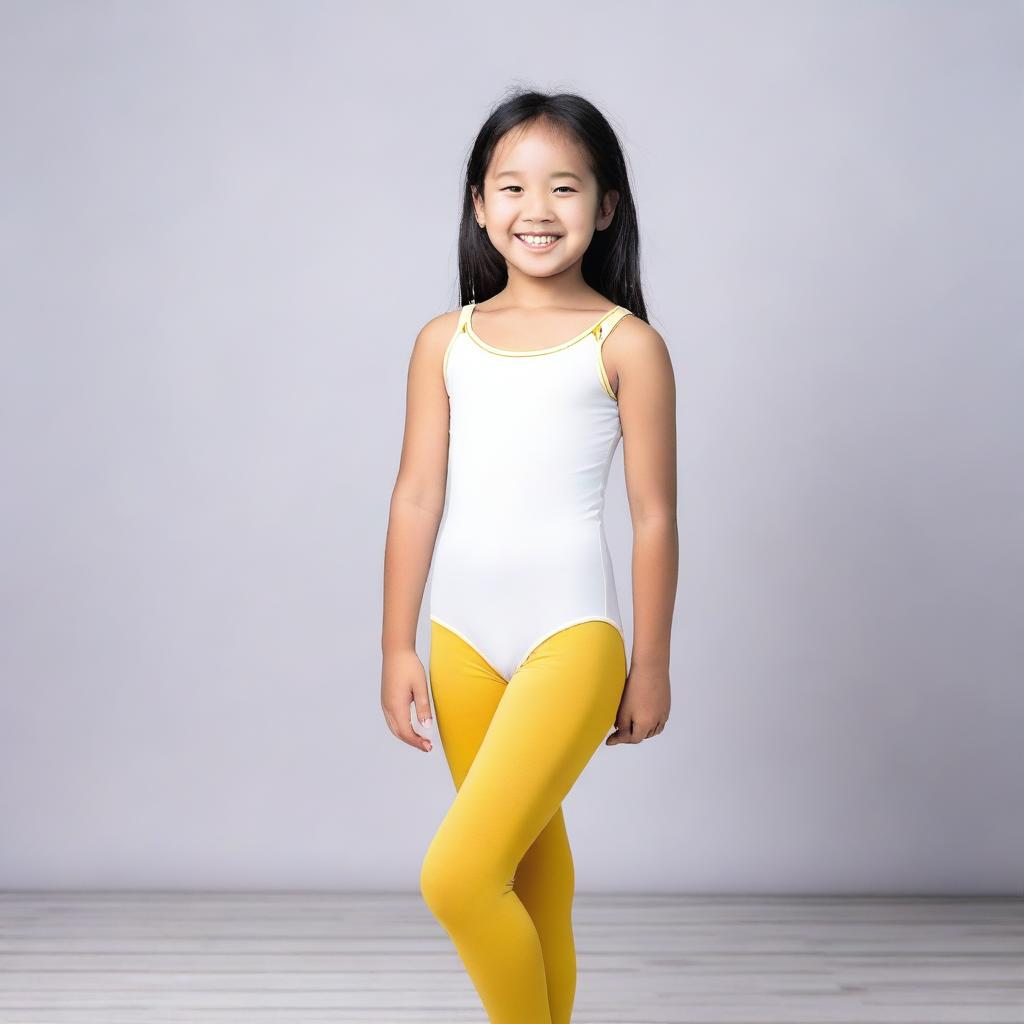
(223, 225)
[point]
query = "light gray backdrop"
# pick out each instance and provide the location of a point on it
(223, 225)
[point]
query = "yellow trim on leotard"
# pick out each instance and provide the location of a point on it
(468, 328)
(459, 328)
(600, 335)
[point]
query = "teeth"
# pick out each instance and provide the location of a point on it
(538, 239)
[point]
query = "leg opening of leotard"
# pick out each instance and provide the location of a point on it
(531, 650)
(470, 644)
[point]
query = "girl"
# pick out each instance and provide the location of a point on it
(519, 398)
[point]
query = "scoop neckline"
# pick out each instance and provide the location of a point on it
(533, 351)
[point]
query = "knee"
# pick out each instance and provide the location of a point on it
(444, 884)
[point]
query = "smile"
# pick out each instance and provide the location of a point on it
(538, 243)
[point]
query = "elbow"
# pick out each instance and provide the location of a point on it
(656, 518)
(419, 497)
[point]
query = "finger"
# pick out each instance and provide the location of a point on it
(625, 733)
(618, 736)
(414, 739)
(403, 729)
(422, 706)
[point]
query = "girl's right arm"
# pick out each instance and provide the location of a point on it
(417, 505)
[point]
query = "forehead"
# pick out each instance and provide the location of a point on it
(538, 147)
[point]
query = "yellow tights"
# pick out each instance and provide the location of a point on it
(498, 873)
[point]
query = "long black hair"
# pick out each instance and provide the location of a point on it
(611, 264)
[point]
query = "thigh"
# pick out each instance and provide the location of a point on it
(549, 721)
(466, 692)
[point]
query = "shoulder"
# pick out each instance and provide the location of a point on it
(640, 332)
(636, 357)
(433, 337)
(634, 340)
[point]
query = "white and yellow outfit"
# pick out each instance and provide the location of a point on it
(527, 660)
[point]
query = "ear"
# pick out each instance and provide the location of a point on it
(607, 211)
(478, 205)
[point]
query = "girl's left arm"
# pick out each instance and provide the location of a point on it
(647, 411)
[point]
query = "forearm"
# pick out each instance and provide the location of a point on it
(412, 531)
(655, 573)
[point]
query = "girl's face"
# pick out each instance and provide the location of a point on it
(540, 202)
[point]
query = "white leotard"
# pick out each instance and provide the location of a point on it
(521, 553)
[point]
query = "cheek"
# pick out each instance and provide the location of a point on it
(580, 219)
(502, 208)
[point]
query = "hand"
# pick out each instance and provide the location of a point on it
(644, 707)
(404, 682)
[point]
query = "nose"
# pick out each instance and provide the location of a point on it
(539, 213)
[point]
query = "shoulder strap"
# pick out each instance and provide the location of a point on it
(607, 325)
(459, 328)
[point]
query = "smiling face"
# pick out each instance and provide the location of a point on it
(540, 201)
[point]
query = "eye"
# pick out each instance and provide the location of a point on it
(507, 187)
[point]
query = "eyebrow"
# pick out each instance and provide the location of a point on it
(555, 174)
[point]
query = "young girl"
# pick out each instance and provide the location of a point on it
(518, 400)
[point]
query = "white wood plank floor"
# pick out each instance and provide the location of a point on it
(377, 958)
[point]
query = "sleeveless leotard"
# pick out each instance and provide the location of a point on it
(521, 553)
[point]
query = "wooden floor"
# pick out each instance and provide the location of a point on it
(115, 958)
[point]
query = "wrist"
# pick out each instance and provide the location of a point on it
(649, 661)
(390, 648)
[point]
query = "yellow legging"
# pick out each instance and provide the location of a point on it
(498, 873)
